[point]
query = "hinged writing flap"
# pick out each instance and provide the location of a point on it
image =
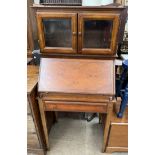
(80, 76)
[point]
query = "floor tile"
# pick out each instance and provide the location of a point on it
(77, 137)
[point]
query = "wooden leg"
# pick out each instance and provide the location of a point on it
(107, 126)
(44, 123)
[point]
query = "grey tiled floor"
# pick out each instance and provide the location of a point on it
(76, 137)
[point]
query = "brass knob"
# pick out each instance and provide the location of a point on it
(74, 33)
(80, 33)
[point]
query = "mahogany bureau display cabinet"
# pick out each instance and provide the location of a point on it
(72, 84)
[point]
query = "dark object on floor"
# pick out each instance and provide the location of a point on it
(91, 116)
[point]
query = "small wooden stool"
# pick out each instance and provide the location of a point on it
(77, 85)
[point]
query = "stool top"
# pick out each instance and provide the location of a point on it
(79, 76)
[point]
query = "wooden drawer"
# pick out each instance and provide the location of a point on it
(75, 106)
(118, 136)
(32, 141)
(30, 125)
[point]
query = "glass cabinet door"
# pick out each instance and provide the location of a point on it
(97, 33)
(57, 32)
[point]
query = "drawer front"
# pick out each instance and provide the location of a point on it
(28, 108)
(32, 141)
(75, 106)
(118, 135)
(30, 125)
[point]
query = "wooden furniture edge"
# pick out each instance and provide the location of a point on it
(120, 7)
(116, 149)
(107, 125)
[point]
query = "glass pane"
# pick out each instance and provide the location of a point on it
(97, 33)
(58, 32)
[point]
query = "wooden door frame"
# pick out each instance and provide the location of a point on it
(30, 38)
(98, 16)
(56, 15)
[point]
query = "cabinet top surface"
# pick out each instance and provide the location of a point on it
(114, 6)
(79, 76)
(32, 77)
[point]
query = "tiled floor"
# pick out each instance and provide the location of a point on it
(76, 137)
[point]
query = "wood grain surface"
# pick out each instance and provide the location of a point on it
(83, 76)
(118, 131)
(32, 77)
(35, 135)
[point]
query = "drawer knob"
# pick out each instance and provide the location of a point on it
(74, 33)
(80, 33)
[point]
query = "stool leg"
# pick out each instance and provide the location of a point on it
(107, 126)
(123, 76)
(44, 123)
(124, 103)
